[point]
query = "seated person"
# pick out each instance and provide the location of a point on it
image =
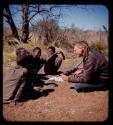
(37, 60)
(14, 82)
(53, 62)
(94, 75)
(35, 65)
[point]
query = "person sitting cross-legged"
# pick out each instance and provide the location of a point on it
(94, 75)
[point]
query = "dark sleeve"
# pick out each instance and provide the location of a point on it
(89, 69)
(42, 62)
(70, 71)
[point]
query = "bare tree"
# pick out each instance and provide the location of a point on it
(10, 21)
(25, 25)
(29, 12)
(47, 30)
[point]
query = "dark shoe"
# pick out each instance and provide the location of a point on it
(72, 88)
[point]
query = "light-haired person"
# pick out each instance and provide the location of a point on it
(94, 75)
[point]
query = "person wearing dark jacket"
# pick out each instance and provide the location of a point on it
(37, 60)
(15, 79)
(94, 75)
(35, 65)
(53, 62)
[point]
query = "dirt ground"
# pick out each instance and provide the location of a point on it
(58, 102)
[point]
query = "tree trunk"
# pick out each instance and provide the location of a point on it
(25, 26)
(10, 21)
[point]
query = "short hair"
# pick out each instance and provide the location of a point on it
(20, 50)
(23, 57)
(37, 48)
(52, 48)
(82, 44)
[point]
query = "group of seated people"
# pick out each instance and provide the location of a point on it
(19, 80)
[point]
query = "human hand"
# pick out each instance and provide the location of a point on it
(78, 72)
(58, 52)
(64, 77)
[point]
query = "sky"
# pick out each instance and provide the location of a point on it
(85, 17)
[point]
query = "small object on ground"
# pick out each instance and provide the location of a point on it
(54, 79)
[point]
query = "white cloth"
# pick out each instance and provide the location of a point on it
(55, 79)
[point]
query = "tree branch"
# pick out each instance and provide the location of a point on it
(38, 12)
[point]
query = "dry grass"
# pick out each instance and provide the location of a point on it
(9, 55)
(96, 40)
(61, 103)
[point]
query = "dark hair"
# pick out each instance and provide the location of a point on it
(20, 50)
(23, 57)
(52, 48)
(37, 48)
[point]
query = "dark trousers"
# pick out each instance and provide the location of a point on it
(81, 87)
